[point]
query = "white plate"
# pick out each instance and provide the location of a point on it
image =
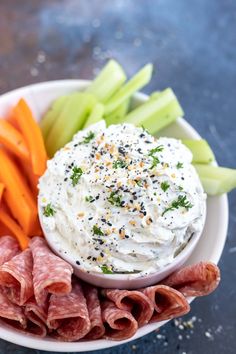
(209, 248)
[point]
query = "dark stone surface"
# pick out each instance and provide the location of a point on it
(193, 47)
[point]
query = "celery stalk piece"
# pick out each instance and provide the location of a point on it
(156, 114)
(70, 120)
(154, 95)
(108, 81)
(95, 115)
(50, 117)
(117, 116)
(216, 180)
(200, 149)
(136, 83)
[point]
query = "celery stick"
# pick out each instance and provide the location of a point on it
(108, 81)
(50, 117)
(136, 83)
(201, 150)
(155, 95)
(216, 180)
(95, 116)
(118, 114)
(157, 113)
(69, 121)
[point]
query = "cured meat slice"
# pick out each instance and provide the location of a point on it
(68, 314)
(97, 328)
(168, 303)
(11, 314)
(16, 277)
(119, 324)
(51, 274)
(195, 280)
(140, 306)
(9, 247)
(37, 317)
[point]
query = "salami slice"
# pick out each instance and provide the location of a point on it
(51, 274)
(9, 247)
(16, 277)
(195, 280)
(97, 329)
(68, 314)
(37, 318)
(168, 303)
(119, 324)
(11, 314)
(136, 302)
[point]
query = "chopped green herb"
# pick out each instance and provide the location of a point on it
(155, 162)
(88, 138)
(144, 129)
(119, 164)
(89, 199)
(115, 199)
(138, 182)
(180, 188)
(48, 210)
(97, 231)
(106, 270)
(155, 193)
(159, 148)
(180, 202)
(77, 173)
(179, 165)
(165, 186)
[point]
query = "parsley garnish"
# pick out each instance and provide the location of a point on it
(106, 270)
(119, 164)
(115, 199)
(165, 186)
(180, 188)
(88, 138)
(89, 199)
(155, 159)
(179, 165)
(155, 162)
(138, 182)
(77, 173)
(48, 210)
(180, 202)
(97, 231)
(159, 148)
(144, 129)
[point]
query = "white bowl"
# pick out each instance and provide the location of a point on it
(209, 247)
(123, 281)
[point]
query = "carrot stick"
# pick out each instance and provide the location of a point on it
(17, 194)
(1, 191)
(33, 136)
(10, 224)
(13, 140)
(31, 178)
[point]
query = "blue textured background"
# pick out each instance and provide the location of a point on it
(193, 47)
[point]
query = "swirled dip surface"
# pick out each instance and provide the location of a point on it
(117, 199)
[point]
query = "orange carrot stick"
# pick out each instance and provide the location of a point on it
(1, 191)
(33, 136)
(17, 194)
(10, 224)
(13, 140)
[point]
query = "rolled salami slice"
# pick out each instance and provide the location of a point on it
(119, 324)
(9, 247)
(51, 274)
(168, 303)
(12, 314)
(195, 280)
(136, 302)
(68, 314)
(37, 317)
(16, 277)
(97, 328)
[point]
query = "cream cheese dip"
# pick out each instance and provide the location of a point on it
(119, 200)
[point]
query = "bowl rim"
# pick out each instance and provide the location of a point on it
(47, 344)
